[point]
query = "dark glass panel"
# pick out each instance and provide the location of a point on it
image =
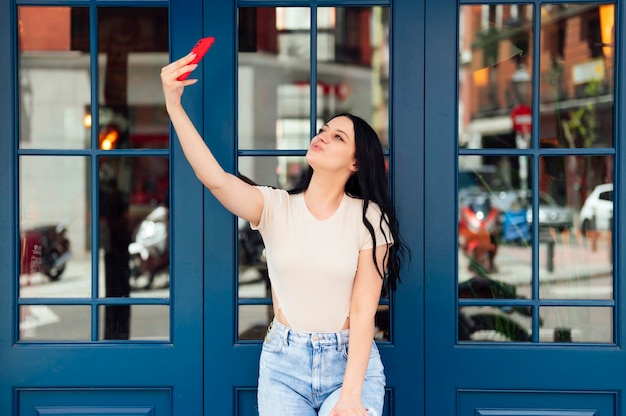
(54, 74)
(55, 226)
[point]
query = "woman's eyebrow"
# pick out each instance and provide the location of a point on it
(339, 130)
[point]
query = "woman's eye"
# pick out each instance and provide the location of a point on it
(338, 137)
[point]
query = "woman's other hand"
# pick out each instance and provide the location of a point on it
(172, 87)
(348, 407)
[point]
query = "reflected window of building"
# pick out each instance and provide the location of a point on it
(93, 226)
(533, 226)
(280, 53)
(577, 75)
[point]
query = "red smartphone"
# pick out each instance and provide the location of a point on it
(200, 49)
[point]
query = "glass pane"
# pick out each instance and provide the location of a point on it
(254, 321)
(274, 74)
(494, 324)
(279, 171)
(54, 77)
(577, 324)
(382, 320)
(132, 48)
(134, 226)
(253, 278)
(576, 227)
(136, 322)
(495, 76)
(493, 229)
(353, 64)
(577, 75)
(55, 323)
(55, 217)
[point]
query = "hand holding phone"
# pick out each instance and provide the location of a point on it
(200, 49)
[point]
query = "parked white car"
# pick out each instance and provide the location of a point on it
(597, 211)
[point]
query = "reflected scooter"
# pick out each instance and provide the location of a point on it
(478, 230)
(150, 251)
(46, 249)
(493, 324)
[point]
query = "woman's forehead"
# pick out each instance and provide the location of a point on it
(342, 123)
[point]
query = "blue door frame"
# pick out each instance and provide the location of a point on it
(485, 379)
(203, 370)
(95, 377)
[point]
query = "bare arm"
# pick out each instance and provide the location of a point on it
(235, 195)
(363, 306)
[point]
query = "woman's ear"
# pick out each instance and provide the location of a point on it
(355, 166)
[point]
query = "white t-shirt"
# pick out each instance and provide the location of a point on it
(312, 263)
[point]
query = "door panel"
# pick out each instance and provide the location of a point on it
(89, 141)
(277, 113)
(544, 287)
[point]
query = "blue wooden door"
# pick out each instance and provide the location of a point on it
(102, 237)
(267, 88)
(522, 255)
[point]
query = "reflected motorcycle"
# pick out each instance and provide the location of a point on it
(492, 324)
(46, 249)
(149, 253)
(478, 230)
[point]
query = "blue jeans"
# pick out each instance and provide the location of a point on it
(301, 373)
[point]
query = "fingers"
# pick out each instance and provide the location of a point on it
(171, 72)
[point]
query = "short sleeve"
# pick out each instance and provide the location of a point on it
(381, 228)
(271, 197)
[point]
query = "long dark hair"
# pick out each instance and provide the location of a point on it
(370, 183)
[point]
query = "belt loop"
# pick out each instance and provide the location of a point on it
(286, 337)
(339, 345)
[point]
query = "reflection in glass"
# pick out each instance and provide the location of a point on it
(54, 77)
(493, 229)
(254, 321)
(274, 74)
(576, 227)
(353, 64)
(494, 324)
(54, 226)
(278, 171)
(134, 225)
(577, 75)
(147, 323)
(55, 323)
(133, 46)
(495, 76)
(253, 277)
(577, 324)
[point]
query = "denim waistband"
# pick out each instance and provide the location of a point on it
(289, 335)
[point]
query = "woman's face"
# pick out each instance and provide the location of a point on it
(334, 147)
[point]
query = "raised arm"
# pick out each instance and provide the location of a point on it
(235, 195)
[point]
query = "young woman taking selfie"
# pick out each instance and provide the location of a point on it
(332, 244)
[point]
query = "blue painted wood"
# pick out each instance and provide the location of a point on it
(94, 402)
(450, 367)
(8, 223)
(97, 411)
(537, 403)
(404, 357)
(522, 412)
(175, 365)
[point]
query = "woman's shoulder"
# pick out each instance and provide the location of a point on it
(275, 196)
(357, 202)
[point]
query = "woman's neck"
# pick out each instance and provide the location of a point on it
(323, 197)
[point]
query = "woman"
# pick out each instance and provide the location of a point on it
(330, 243)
